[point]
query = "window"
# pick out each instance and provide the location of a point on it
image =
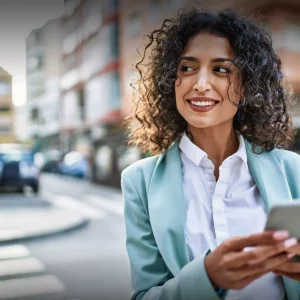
(134, 24)
(81, 104)
(35, 63)
(35, 115)
(115, 40)
(5, 88)
(115, 99)
(5, 128)
(156, 10)
(38, 37)
(108, 7)
(104, 161)
(4, 109)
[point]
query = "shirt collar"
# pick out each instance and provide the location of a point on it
(241, 152)
(195, 154)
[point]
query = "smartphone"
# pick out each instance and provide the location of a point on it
(285, 217)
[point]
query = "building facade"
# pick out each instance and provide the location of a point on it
(43, 70)
(7, 134)
(90, 83)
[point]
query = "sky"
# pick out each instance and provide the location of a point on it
(17, 19)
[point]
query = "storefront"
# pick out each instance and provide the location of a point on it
(111, 156)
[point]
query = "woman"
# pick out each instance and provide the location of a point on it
(213, 108)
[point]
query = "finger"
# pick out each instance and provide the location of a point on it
(295, 249)
(258, 239)
(236, 260)
(263, 252)
(265, 266)
(239, 284)
(289, 267)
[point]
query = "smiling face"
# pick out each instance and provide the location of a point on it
(203, 89)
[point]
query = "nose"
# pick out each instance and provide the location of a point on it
(203, 82)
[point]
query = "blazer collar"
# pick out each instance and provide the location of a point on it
(269, 177)
(167, 208)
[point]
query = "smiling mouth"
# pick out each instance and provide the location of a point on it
(202, 103)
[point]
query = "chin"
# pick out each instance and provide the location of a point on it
(200, 124)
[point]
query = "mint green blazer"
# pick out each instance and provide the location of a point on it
(155, 217)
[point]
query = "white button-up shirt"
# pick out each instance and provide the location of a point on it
(218, 210)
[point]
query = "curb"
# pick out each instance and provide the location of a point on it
(22, 236)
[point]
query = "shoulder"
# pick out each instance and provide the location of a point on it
(144, 165)
(288, 160)
(135, 180)
(285, 156)
(140, 172)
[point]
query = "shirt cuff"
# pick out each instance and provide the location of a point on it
(222, 293)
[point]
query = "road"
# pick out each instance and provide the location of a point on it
(88, 263)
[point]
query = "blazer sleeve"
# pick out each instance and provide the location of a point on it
(150, 277)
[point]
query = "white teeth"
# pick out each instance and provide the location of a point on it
(203, 103)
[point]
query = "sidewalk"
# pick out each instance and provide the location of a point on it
(49, 217)
(30, 223)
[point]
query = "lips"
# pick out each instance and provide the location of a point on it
(202, 99)
(208, 104)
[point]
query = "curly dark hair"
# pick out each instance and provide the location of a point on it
(262, 116)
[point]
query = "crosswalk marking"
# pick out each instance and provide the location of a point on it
(13, 251)
(36, 285)
(20, 266)
(110, 205)
(76, 205)
(16, 261)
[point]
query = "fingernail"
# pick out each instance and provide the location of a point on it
(290, 242)
(281, 234)
(290, 255)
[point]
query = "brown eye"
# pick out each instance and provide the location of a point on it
(186, 69)
(222, 70)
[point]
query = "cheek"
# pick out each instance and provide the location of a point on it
(177, 98)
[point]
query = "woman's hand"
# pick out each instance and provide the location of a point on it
(290, 268)
(230, 267)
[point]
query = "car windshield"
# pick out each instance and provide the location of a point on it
(16, 156)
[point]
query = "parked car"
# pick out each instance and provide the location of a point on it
(17, 168)
(51, 161)
(75, 164)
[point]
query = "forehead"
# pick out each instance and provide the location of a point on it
(208, 45)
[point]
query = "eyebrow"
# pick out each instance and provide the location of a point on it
(218, 59)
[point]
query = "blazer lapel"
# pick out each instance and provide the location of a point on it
(269, 177)
(167, 209)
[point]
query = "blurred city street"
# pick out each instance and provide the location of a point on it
(86, 260)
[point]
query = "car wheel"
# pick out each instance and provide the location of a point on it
(20, 190)
(35, 189)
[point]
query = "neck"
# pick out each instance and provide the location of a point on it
(218, 142)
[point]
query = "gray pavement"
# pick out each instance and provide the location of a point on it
(24, 223)
(48, 217)
(89, 263)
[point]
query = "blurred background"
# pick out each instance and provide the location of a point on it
(65, 70)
